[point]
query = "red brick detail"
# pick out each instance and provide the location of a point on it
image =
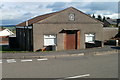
(65, 41)
(78, 39)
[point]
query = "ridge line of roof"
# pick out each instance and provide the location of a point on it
(44, 16)
(58, 12)
(87, 15)
(51, 14)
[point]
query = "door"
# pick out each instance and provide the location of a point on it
(71, 40)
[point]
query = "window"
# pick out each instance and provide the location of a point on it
(71, 16)
(49, 40)
(90, 38)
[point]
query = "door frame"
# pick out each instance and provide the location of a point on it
(77, 44)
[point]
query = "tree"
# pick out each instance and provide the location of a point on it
(93, 16)
(104, 18)
(108, 17)
(99, 18)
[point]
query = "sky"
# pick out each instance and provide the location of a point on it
(13, 13)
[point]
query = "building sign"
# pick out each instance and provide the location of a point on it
(71, 16)
(49, 40)
(89, 38)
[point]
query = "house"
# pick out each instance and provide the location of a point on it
(5, 32)
(110, 29)
(110, 23)
(118, 24)
(4, 36)
(68, 29)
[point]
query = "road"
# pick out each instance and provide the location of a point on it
(102, 66)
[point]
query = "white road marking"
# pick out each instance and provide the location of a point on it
(0, 61)
(79, 76)
(42, 59)
(26, 60)
(11, 60)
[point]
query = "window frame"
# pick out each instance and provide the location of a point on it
(93, 38)
(55, 39)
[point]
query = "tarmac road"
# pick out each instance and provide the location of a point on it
(102, 66)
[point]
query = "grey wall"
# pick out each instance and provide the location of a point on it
(60, 21)
(40, 29)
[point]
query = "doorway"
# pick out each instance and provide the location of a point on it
(71, 39)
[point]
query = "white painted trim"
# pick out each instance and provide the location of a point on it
(29, 27)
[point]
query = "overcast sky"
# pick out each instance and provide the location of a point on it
(16, 12)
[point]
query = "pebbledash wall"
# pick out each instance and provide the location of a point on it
(38, 37)
(60, 24)
(109, 32)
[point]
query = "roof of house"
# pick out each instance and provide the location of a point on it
(42, 17)
(112, 21)
(6, 32)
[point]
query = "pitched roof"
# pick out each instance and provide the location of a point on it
(6, 32)
(112, 21)
(42, 17)
(36, 19)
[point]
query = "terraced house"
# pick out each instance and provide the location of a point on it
(62, 30)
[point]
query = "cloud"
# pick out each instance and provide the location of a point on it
(1, 6)
(114, 15)
(16, 12)
(111, 6)
(60, 0)
(57, 6)
(36, 0)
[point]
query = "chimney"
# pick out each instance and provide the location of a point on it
(26, 23)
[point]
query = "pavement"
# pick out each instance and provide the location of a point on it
(54, 54)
